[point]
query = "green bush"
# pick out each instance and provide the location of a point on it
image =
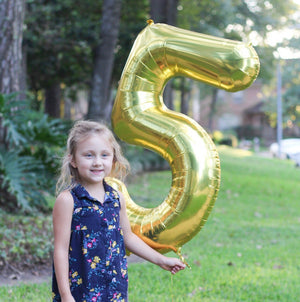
(28, 154)
(227, 138)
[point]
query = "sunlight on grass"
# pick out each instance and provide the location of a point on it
(234, 152)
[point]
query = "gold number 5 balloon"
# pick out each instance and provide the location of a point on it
(140, 117)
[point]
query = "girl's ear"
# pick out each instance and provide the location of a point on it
(72, 161)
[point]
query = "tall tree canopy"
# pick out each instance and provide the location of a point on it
(247, 20)
(59, 37)
(62, 38)
(290, 81)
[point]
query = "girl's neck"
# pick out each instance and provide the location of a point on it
(95, 190)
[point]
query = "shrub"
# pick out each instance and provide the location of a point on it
(227, 138)
(28, 154)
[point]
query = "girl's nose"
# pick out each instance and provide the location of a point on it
(97, 161)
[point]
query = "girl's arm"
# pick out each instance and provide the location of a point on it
(137, 246)
(62, 218)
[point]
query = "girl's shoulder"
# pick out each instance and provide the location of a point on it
(64, 194)
(64, 200)
(63, 210)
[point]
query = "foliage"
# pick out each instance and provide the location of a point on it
(227, 138)
(290, 70)
(58, 40)
(133, 19)
(28, 158)
(291, 94)
(61, 37)
(240, 20)
(235, 19)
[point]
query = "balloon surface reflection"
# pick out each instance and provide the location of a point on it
(140, 117)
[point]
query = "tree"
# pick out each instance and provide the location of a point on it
(11, 35)
(291, 84)
(61, 38)
(290, 70)
(58, 38)
(104, 60)
(238, 20)
(165, 11)
(17, 181)
(291, 95)
(134, 15)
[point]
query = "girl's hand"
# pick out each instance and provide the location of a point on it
(173, 265)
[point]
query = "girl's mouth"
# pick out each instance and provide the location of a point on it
(97, 171)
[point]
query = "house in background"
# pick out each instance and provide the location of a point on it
(240, 111)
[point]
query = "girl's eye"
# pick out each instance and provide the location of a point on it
(88, 155)
(106, 154)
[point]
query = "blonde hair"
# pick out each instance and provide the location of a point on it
(68, 174)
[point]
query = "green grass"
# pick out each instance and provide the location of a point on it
(26, 293)
(247, 251)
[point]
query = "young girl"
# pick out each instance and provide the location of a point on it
(91, 227)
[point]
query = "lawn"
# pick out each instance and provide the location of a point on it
(247, 251)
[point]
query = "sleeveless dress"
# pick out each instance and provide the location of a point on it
(97, 257)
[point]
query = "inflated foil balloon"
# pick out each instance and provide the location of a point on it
(140, 117)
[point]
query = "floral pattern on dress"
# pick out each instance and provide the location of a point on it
(97, 257)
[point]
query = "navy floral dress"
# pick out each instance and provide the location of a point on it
(97, 257)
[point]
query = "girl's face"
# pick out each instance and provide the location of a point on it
(93, 159)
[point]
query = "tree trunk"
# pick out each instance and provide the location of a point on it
(172, 12)
(168, 95)
(104, 61)
(52, 100)
(67, 108)
(212, 110)
(165, 11)
(158, 11)
(23, 74)
(184, 108)
(11, 35)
